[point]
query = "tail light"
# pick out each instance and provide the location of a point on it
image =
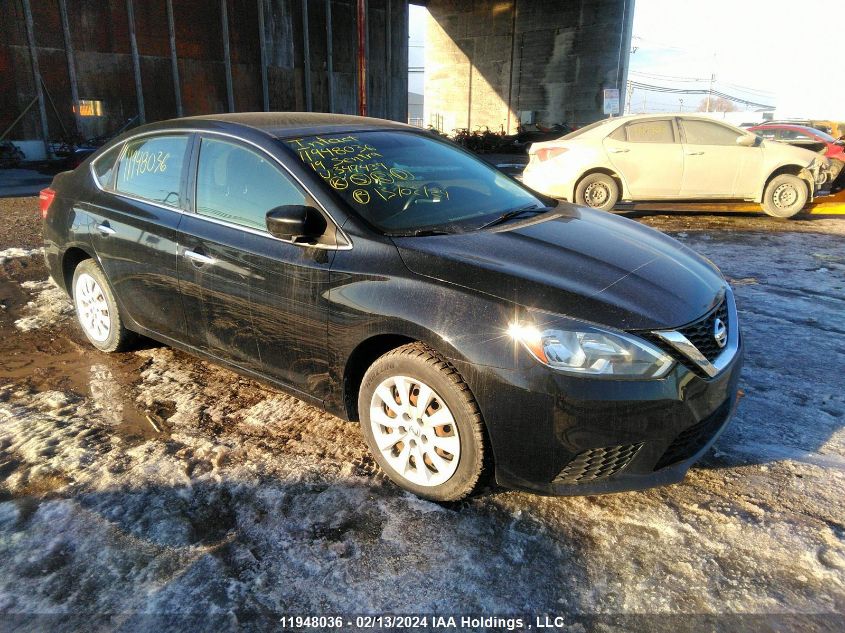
(45, 199)
(547, 153)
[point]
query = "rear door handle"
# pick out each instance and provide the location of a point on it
(618, 150)
(199, 258)
(105, 229)
(694, 153)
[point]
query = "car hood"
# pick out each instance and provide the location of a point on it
(798, 154)
(586, 264)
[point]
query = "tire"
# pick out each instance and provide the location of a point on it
(446, 438)
(785, 196)
(97, 310)
(597, 191)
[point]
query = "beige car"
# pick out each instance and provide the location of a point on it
(674, 157)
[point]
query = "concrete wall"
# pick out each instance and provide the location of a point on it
(100, 38)
(487, 60)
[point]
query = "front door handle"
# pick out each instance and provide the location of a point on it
(618, 150)
(105, 229)
(694, 153)
(199, 258)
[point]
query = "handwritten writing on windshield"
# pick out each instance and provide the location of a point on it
(352, 166)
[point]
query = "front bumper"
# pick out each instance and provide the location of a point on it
(556, 434)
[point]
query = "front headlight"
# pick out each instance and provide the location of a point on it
(578, 348)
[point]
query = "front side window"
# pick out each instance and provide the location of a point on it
(151, 168)
(403, 182)
(652, 131)
(239, 185)
(706, 133)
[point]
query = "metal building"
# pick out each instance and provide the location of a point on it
(76, 69)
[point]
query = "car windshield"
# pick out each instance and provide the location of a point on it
(406, 183)
(827, 138)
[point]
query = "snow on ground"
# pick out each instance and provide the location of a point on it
(246, 503)
(49, 303)
(17, 253)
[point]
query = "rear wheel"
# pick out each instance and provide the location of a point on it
(598, 191)
(96, 309)
(785, 196)
(422, 424)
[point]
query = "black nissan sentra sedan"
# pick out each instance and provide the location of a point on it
(470, 324)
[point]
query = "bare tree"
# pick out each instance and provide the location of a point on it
(718, 104)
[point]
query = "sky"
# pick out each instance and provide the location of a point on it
(777, 52)
(417, 16)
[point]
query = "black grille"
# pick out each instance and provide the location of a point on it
(597, 463)
(700, 333)
(693, 439)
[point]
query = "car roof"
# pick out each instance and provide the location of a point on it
(662, 115)
(279, 124)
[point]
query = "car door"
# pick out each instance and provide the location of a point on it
(714, 165)
(134, 223)
(648, 156)
(259, 298)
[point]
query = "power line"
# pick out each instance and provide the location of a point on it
(697, 91)
(741, 88)
(672, 77)
(678, 79)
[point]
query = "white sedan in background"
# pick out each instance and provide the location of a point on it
(674, 157)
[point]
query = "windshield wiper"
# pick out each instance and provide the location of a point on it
(507, 215)
(419, 233)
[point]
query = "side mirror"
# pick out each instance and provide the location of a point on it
(296, 223)
(747, 140)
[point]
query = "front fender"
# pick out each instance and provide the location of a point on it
(461, 324)
(807, 173)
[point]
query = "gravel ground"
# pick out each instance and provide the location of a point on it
(153, 491)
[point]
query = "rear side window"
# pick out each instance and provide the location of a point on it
(706, 133)
(619, 134)
(151, 168)
(656, 131)
(239, 185)
(104, 166)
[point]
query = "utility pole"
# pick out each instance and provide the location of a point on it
(629, 92)
(681, 104)
(710, 92)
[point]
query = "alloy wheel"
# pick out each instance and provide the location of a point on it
(415, 431)
(92, 307)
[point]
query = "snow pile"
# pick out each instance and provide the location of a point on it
(50, 303)
(18, 253)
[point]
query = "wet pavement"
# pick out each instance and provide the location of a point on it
(150, 490)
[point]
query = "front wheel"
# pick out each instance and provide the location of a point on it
(422, 424)
(785, 196)
(96, 309)
(598, 191)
